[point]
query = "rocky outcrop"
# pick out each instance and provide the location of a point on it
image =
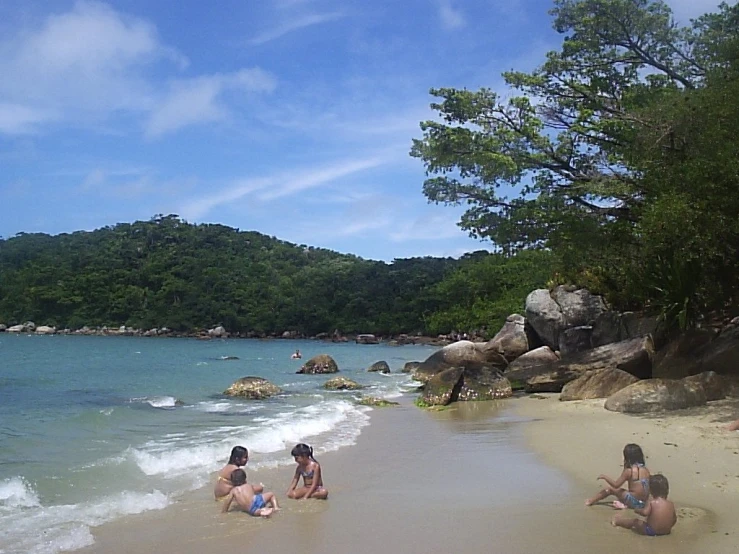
(366, 339)
(483, 383)
(376, 402)
(575, 339)
(45, 330)
(218, 332)
(254, 388)
(323, 363)
(538, 356)
(410, 367)
(600, 383)
(441, 388)
(545, 317)
(17, 329)
(379, 367)
(615, 327)
(511, 341)
(714, 385)
(633, 356)
(462, 353)
(341, 383)
(656, 395)
(679, 358)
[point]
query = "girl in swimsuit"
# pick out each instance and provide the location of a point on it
(238, 459)
(310, 470)
(637, 476)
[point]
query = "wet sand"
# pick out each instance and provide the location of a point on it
(477, 477)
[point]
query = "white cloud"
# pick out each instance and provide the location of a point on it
(87, 60)
(434, 227)
(196, 101)
(451, 17)
(279, 185)
(294, 25)
(16, 119)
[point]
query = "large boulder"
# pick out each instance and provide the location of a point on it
(254, 388)
(656, 395)
(218, 332)
(722, 354)
(366, 339)
(632, 356)
(600, 383)
(714, 385)
(410, 367)
(442, 387)
(16, 328)
(457, 354)
(483, 383)
(323, 363)
(579, 307)
(575, 339)
(341, 383)
(45, 330)
(532, 358)
(512, 340)
(680, 357)
(545, 316)
(379, 367)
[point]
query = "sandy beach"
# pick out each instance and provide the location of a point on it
(476, 477)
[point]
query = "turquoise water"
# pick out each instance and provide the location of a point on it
(95, 428)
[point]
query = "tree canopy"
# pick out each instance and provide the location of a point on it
(618, 153)
(168, 273)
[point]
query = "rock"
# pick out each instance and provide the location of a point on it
(533, 358)
(410, 367)
(575, 339)
(579, 307)
(3, 327)
(376, 402)
(679, 358)
(633, 356)
(545, 317)
(379, 367)
(714, 385)
(30, 326)
(655, 395)
(612, 327)
(254, 388)
(458, 354)
(45, 330)
(341, 383)
(722, 354)
(218, 332)
(511, 341)
(323, 363)
(366, 339)
(485, 383)
(441, 388)
(16, 329)
(600, 383)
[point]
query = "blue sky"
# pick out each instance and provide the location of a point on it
(293, 118)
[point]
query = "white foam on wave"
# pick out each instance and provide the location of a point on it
(224, 406)
(67, 527)
(161, 402)
(17, 493)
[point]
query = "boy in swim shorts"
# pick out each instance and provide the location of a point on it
(255, 504)
(660, 512)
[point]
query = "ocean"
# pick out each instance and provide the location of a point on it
(93, 429)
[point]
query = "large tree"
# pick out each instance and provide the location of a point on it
(583, 150)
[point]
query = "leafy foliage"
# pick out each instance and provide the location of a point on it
(618, 152)
(168, 273)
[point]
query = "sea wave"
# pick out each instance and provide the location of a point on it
(161, 402)
(67, 527)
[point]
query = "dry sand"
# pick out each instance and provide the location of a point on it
(508, 476)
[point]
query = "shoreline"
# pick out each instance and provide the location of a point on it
(463, 478)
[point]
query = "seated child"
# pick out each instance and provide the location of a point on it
(310, 470)
(660, 512)
(239, 458)
(247, 498)
(635, 474)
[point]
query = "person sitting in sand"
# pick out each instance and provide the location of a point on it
(637, 476)
(239, 458)
(248, 499)
(310, 470)
(297, 355)
(660, 512)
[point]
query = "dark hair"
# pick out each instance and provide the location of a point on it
(302, 449)
(238, 477)
(633, 455)
(658, 486)
(237, 453)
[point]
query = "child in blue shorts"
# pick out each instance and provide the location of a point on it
(255, 504)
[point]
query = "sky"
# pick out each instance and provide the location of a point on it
(293, 118)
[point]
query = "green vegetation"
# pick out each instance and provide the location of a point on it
(617, 155)
(169, 273)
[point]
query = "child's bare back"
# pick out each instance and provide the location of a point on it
(660, 512)
(252, 502)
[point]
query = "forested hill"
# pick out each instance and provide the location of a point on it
(168, 273)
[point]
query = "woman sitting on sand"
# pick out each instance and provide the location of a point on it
(238, 459)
